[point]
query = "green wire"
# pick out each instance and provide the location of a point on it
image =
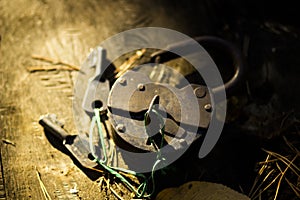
(91, 137)
(140, 192)
(98, 120)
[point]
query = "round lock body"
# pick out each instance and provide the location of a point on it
(148, 115)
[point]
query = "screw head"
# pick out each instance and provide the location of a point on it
(200, 92)
(122, 81)
(208, 107)
(120, 128)
(141, 87)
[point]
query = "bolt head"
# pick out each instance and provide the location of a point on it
(141, 87)
(120, 128)
(208, 107)
(200, 92)
(122, 81)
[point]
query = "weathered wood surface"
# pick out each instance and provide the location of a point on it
(63, 30)
(66, 30)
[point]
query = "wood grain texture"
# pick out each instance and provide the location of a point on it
(62, 30)
(67, 30)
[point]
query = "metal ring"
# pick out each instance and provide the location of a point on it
(230, 49)
(235, 54)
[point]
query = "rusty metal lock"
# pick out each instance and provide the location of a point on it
(125, 100)
(128, 103)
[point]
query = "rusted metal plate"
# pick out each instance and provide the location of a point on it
(130, 98)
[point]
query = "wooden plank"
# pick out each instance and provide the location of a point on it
(26, 96)
(62, 30)
(2, 185)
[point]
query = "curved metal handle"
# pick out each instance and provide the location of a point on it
(236, 57)
(230, 49)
